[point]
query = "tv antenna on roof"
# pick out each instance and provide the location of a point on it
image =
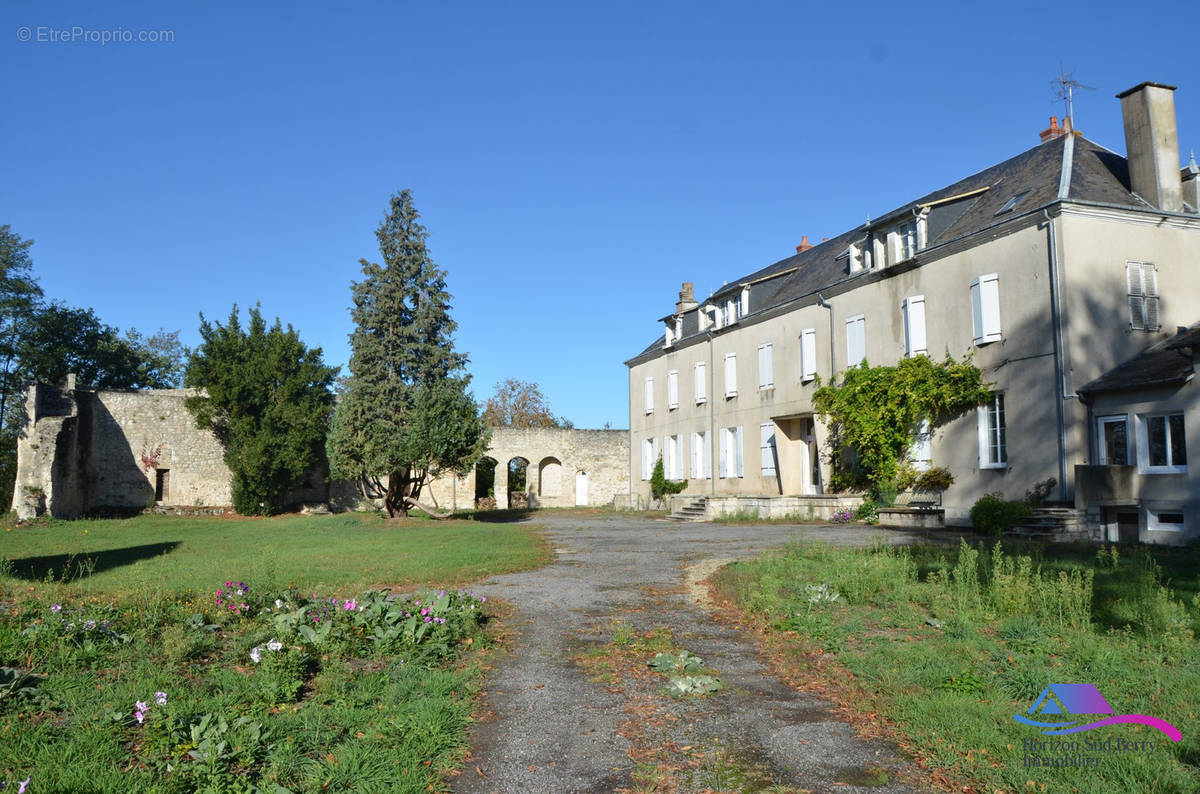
(1065, 86)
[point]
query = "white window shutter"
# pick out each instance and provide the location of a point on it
(766, 432)
(737, 449)
(695, 458)
(673, 389)
(808, 355)
(668, 456)
(701, 384)
(985, 308)
(723, 448)
(856, 340)
(731, 374)
(707, 462)
(766, 367)
(744, 307)
(646, 464)
(914, 325)
(650, 395)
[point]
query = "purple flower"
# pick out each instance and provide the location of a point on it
(23, 784)
(160, 698)
(56, 608)
(256, 655)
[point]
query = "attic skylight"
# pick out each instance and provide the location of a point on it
(1012, 202)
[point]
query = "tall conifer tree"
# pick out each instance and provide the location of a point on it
(405, 415)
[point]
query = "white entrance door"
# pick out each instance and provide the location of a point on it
(581, 485)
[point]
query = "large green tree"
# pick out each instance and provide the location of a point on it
(518, 403)
(20, 297)
(267, 398)
(405, 416)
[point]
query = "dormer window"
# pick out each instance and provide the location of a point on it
(907, 241)
(679, 327)
(855, 255)
(669, 338)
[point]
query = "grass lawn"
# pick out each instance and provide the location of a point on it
(947, 645)
(125, 670)
(330, 552)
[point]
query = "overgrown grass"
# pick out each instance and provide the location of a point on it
(746, 515)
(344, 551)
(949, 644)
(307, 680)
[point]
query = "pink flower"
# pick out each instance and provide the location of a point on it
(23, 784)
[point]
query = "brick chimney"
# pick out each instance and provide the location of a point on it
(687, 297)
(1055, 131)
(1152, 144)
(804, 244)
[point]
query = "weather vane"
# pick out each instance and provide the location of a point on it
(1065, 86)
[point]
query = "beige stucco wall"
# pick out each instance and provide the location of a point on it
(1092, 252)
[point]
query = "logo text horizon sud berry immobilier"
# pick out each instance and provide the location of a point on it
(1071, 699)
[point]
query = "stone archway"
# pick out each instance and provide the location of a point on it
(549, 478)
(485, 483)
(518, 481)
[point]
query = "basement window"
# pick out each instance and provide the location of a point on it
(162, 484)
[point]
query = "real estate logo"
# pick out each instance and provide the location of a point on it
(1084, 699)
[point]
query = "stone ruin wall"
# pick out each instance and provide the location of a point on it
(82, 452)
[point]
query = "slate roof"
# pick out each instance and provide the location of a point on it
(1097, 175)
(1164, 364)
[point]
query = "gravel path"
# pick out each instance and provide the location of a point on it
(552, 730)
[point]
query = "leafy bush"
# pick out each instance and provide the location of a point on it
(1038, 493)
(933, 480)
(868, 511)
(687, 685)
(995, 516)
(660, 486)
(683, 662)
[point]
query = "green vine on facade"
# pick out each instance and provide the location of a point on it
(660, 486)
(874, 415)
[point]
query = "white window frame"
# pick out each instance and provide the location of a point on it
(1141, 281)
(808, 355)
(990, 436)
(915, 343)
(856, 327)
(649, 394)
(985, 309)
(766, 366)
(1102, 446)
(700, 382)
(766, 446)
(1154, 525)
(920, 453)
(648, 457)
(731, 452)
(672, 390)
(908, 240)
(731, 389)
(1143, 443)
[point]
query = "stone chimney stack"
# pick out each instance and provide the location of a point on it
(687, 298)
(1152, 144)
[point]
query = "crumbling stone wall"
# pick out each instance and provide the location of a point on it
(84, 451)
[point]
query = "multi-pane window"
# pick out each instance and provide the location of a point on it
(649, 391)
(906, 243)
(993, 444)
(731, 451)
(914, 325)
(701, 378)
(856, 340)
(766, 367)
(1142, 282)
(985, 309)
(808, 355)
(1164, 443)
(701, 456)
(731, 374)
(766, 445)
(920, 454)
(672, 390)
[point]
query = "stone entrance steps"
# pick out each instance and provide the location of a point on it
(693, 510)
(1053, 523)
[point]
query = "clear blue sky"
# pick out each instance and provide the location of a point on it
(573, 162)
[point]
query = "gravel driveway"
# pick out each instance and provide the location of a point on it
(552, 729)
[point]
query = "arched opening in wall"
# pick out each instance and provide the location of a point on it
(485, 484)
(549, 477)
(517, 485)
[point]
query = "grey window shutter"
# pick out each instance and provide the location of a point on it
(1133, 277)
(1150, 285)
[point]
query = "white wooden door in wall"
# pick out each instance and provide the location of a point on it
(581, 488)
